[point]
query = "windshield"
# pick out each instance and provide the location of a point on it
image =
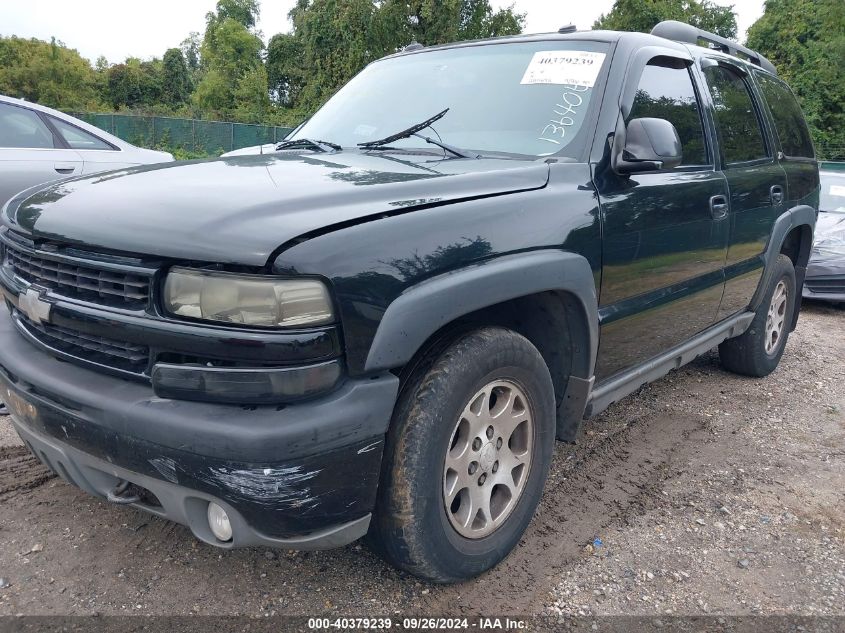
(519, 98)
(832, 197)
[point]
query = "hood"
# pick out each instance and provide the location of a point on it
(269, 148)
(151, 156)
(240, 210)
(829, 238)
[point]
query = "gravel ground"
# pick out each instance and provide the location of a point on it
(703, 493)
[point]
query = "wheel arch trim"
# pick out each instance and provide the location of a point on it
(801, 215)
(422, 310)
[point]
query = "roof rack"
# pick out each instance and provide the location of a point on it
(682, 32)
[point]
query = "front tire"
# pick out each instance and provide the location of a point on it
(757, 352)
(466, 458)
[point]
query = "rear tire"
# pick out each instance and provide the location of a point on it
(466, 458)
(757, 352)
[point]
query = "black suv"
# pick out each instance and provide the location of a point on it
(382, 327)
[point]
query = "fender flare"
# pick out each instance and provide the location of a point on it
(412, 318)
(795, 217)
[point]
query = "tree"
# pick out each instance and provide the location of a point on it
(285, 76)
(335, 42)
(805, 39)
(242, 11)
(332, 40)
(175, 82)
(231, 61)
(643, 15)
(439, 21)
(191, 50)
(48, 73)
(134, 83)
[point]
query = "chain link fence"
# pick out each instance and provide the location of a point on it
(210, 138)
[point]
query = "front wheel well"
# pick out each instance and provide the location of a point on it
(554, 322)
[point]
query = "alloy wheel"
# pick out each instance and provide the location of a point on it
(488, 459)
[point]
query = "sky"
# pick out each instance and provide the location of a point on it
(121, 29)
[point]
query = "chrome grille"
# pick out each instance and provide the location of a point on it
(112, 353)
(84, 281)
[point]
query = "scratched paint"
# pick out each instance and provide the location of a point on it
(369, 447)
(167, 468)
(276, 487)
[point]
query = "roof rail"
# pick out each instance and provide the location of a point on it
(682, 32)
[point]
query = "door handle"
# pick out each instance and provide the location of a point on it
(776, 194)
(719, 207)
(64, 169)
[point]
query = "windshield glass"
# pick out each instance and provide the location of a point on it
(832, 197)
(521, 98)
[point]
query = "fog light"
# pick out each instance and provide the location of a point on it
(218, 521)
(235, 385)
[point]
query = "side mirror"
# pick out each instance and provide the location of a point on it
(649, 144)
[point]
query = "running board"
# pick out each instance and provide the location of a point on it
(624, 384)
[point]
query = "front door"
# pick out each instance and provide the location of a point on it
(665, 233)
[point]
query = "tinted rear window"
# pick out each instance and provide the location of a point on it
(737, 124)
(791, 128)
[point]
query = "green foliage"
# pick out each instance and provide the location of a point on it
(47, 72)
(134, 84)
(244, 12)
(805, 39)
(643, 15)
(176, 82)
(332, 40)
(285, 74)
(334, 37)
(226, 73)
(231, 64)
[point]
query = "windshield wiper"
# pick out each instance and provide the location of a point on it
(414, 131)
(320, 146)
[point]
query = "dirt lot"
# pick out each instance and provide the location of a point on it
(710, 494)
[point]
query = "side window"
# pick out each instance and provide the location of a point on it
(789, 121)
(23, 128)
(77, 138)
(737, 123)
(668, 93)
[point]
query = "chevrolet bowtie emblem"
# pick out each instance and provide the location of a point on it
(33, 306)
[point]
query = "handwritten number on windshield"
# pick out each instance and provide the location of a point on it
(555, 130)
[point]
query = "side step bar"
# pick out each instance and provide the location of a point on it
(616, 388)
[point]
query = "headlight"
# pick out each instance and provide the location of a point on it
(250, 300)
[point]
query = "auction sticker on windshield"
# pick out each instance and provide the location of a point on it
(573, 68)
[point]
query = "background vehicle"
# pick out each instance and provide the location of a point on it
(39, 144)
(826, 270)
(382, 328)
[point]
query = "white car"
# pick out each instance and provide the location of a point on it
(39, 144)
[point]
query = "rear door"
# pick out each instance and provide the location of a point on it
(97, 154)
(665, 231)
(30, 152)
(756, 181)
(796, 154)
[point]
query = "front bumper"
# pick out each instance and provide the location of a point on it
(825, 280)
(300, 476)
